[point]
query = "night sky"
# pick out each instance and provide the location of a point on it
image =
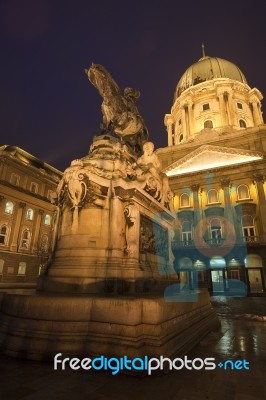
(48, 106)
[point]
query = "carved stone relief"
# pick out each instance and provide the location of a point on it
(153, 238)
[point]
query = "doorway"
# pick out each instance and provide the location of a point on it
(255, 280)
(217, 281)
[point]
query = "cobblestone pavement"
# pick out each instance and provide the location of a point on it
(241, 337)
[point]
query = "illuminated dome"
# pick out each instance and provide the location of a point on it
(206, 69)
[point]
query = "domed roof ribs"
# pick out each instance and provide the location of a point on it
(208, 68)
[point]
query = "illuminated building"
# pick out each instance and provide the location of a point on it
(215, 160)
(27, 217)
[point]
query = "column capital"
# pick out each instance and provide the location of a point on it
(21, 204)
(225, 183)
(195, 187)
(1, 198)
(41, 211)
(258, 178)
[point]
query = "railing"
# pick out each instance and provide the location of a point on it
(252, 239)
(249, 240)
(215, 242)
(183, 243)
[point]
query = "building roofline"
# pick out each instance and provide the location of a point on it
(9, 149)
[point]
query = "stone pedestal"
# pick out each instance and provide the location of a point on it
(38, 327)
(115, 229)
(103, 290)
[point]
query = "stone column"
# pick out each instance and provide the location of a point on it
(15, 244)
(225, 183)
(37, 231)
(260, 114)
(258, 179)
(232, 109)
(195, 191)
(224, 119)
(170, 134)
(228, 210)
(255, 113)
(190, 119)
(184, 122)
(175, 202)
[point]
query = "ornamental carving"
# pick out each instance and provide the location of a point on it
(73, 187)
(151, 179)
(131, 213)
(153, 238)
(258, 178)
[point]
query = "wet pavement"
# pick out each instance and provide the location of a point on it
(242, 337)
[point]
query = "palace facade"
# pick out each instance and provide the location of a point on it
(215, 160)
(27, 217)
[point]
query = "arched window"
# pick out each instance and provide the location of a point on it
(253, 261)
(3, 235)
(212, 196)
(185, 263)
(216, 231)
(2, 262)
(208, 124)
(248, 228)
(29, 214)
(184, 200)
(25, 239)
(242, 123)
(217, 262)
(9, 207)
(22, 268)
(243, 192)
(47, 219)
(180, 138)
(186, 233)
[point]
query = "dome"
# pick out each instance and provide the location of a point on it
(208, 68)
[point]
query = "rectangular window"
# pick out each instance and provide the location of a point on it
(240, 106)
(187, 236)
(22, 268)
(1, 266)
(206, 107)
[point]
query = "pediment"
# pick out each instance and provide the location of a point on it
(208, 157)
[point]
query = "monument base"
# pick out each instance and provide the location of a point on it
(40, 326)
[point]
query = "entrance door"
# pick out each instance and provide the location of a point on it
(255, 282)
(217, 281)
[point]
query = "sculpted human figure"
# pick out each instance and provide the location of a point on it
(131, 214)
(149, 162)
(167, 195)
